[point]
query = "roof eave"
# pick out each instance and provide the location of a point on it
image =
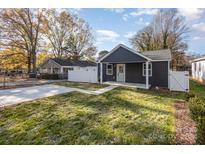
(123, 46)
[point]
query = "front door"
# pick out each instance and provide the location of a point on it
(120, 72)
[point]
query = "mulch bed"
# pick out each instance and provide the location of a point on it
(185, 126)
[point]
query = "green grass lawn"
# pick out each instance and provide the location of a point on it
(120, 116)
(82, 85)
(197, 88)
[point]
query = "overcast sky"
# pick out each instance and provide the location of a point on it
(114, 26)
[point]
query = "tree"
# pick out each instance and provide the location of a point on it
(102, 53)
(42, 56)
(12, 59)
(69, 36)
(21, 29)
(166, 31)
(57, 29)
(80, 44)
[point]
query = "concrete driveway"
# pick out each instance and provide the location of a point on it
(18, 95)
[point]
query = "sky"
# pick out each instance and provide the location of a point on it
(113, 26)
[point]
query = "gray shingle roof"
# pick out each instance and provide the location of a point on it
(164, 54)
(81, 63)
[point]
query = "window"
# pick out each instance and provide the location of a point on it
(149, 69)
(55, 70)
(109, 69)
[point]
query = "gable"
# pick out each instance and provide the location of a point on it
(50, 63)
(121, 55)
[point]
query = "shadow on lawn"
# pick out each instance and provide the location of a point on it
(77, 118)
(110, 101)
(87, 131)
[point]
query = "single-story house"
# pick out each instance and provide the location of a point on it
(63, 66)
(198, 69)
(125, 65)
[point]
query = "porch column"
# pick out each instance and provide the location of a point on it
(101, 73)
(147, 75)
(61, 70)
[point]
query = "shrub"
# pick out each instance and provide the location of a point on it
(201, 130)
(32, 75)
(189, 95)
(49, 76)
(197, 106)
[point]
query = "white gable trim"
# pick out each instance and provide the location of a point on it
(55, 62)
(129, 49)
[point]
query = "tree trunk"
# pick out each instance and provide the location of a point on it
(4, 82)
(34, 63)
(29, 65)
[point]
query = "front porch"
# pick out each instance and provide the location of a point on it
(126, 84)
(135, 74)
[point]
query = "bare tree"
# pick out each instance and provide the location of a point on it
(69, 36)
(57, 29)
(21, 29)
(80, 44)
(166, 31)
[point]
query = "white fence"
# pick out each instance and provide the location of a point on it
(83, 74)
(179, 81)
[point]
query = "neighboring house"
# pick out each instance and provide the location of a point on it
(62, 66)
(198, 69)
(123, 64)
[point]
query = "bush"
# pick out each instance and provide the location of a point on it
(201, 130)
(197, 106)
(32, 75)
(189, 95)
(49, 76)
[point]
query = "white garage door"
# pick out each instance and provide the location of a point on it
(83, 74)
(179, 81)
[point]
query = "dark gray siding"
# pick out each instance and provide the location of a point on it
(109, 77)
(133, 74)
(122, 55)
(159, 74)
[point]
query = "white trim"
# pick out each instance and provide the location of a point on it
(124, 69)
(146, 68)
(55, 62)
(198, 59)
(160, 60)
(101, 73)
(109, 69)
(61, 69)
(68, 66)
(169, 75)
(147, 74)
(124, 62)
(123, 46)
